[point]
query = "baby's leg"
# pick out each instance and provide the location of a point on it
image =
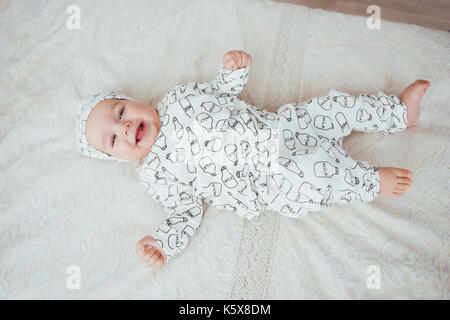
(354, 180)
(330, 176)
(336, 115)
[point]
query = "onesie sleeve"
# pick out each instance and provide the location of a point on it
(230, 83)
(175, 232)
(185, 213)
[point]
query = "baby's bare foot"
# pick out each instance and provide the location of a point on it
(394, 181)
(411, 96)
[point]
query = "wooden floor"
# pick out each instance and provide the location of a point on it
(427, 13)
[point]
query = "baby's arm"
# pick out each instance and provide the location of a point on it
(175, 232)
(233, 74)
(172, 236)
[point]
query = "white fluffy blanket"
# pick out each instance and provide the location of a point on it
(59, 210)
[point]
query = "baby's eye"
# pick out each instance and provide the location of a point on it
(113, 139)
(121, 113)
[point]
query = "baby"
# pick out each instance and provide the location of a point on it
(202, 143)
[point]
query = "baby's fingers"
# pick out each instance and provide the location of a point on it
(149, 255)
(249, 60)
(239, 59)
(159, 263)
(231, 63)
(244, 59)
(153, 260)
(144, 242)
(141, 251)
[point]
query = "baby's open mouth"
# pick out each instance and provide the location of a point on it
(139, 132)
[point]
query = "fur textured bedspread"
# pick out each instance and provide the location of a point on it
(62, 215)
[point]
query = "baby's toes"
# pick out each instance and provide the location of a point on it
(404, 180)
(403, 173)
(424, 83)
(401, 187)
(421, 86)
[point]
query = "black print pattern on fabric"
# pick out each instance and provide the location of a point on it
(216, 148)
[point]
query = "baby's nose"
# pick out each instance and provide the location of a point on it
(127, 128)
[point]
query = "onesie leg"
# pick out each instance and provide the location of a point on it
(316, 181)
(350, 180)
(336, 115)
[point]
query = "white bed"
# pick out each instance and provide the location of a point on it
(58, 209)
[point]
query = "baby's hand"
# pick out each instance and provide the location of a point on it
(236, 59)
(150, 252)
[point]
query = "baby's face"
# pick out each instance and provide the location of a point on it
(125, 129)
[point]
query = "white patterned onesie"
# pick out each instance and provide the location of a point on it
(216, 148)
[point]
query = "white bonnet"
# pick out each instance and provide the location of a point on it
(85, 108)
